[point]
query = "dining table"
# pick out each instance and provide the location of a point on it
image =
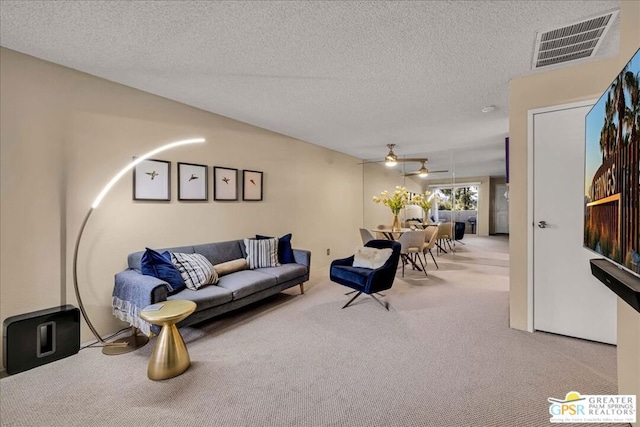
(395, 234)
(389, 233)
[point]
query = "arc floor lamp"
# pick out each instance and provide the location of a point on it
(134, 341)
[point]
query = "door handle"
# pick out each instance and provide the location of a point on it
(542, 224)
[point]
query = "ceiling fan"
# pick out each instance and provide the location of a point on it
(391, 159)
(423, 172)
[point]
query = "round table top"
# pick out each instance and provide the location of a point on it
(390, 230)
(174, 310)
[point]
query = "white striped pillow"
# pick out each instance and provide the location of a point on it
(195, 269)
(262, 253)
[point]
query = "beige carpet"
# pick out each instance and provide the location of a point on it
(442, 356)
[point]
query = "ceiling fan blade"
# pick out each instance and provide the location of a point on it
(418, 173)
(399, 160)
(417, 160)
(367, 162)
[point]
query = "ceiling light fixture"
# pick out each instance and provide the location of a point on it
(423, 172)
(488, 108)
(391, 159)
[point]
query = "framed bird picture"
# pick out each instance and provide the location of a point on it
(152, 180)
(225, 184)
(251, 185)
(192, 182)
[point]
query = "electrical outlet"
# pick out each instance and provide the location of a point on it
(328, 251)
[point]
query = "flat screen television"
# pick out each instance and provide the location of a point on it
(612, 171)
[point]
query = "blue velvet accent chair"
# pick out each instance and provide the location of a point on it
(366, 280)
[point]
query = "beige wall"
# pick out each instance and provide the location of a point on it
(65, 133)
(581, 82)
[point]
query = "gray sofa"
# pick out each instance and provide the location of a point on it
(133, 291)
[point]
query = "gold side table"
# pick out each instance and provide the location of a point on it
(170, 357)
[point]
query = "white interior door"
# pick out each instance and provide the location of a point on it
(501, 209)
(567, 299)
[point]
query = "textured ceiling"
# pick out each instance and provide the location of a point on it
(348, 75)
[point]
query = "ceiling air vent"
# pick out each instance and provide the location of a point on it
(572, 42)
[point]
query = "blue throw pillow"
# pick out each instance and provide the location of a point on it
(285, 251)
(159, 265)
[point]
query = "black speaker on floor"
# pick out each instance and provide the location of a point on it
(37, 338)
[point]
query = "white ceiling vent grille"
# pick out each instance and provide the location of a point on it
(572, 42)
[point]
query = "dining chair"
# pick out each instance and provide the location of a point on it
(429, 243)
(366, 236)
(444, 236)
(411, 244)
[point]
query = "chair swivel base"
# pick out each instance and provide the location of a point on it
(379, 301)
(377, 293)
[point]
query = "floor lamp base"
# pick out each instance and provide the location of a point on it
(131, 343)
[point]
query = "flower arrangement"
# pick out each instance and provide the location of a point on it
(423, 201)
(396, 201)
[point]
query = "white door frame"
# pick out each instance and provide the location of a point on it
(530, 201)
(496, 196)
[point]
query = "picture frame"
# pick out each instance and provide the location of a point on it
(152, 180)
(225, 184)
(193, 182)
(252, 185)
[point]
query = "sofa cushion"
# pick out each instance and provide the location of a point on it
(219, 252)
(285, 251)
(207, 297)
(285, 272)
(262, 253)
(195, 269)
(246, 282)
(156, 264)
(358, 275)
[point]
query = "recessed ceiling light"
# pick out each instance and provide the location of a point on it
(488, 108)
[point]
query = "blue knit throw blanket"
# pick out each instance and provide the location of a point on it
(128, 301)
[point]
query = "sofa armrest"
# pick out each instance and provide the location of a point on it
(132, 292)
(130, 284)
(303, 257)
